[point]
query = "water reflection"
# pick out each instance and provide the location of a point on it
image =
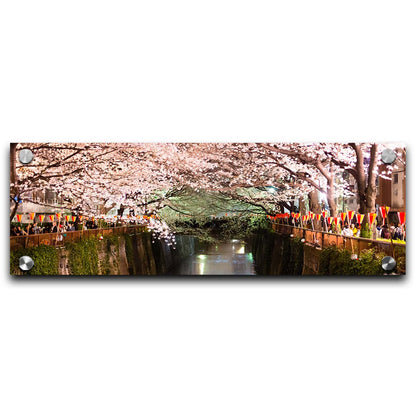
(229, 258)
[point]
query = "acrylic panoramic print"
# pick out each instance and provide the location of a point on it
(212, 209)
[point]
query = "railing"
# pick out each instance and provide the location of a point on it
(59, 239)
(324, 239)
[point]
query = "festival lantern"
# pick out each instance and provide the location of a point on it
(19, 217)
(350, 215)
(318, 217)
(41, 218)
(312, 215)
(58, 217)
(51, 218)
(330, 219)
(324, 214)
(371, 217)
(297, 215)
(360, 218)
(336, 221)
(343, 216)
(73, 218)
(384, 212)
(292, 214)
(402, 217)
(80, 217)
(32, 216)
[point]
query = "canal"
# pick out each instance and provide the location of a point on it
(228, 258)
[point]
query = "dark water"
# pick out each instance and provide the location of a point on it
(231, 258)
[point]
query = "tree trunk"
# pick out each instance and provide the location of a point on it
(315, 208)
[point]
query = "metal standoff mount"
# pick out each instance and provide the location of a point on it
(388, 263)
(388, 156)
(26, 263)
(25, 156)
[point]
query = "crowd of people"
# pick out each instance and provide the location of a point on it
(36, 228)
(392, 231)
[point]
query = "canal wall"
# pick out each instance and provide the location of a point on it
(129, 254)
(285, 255)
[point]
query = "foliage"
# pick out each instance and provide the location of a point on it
(334, 261)
(83, 257)
(46, 259)
(365, 231)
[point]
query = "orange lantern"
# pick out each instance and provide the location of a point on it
(371, 217)
(343, 216)
(402, 217)
(330, 219)
(350, 215)
(73, 218)
(324, 214)
(32, 215)
(51, 218)
(41, 217)
(19, 217)
(360, 218)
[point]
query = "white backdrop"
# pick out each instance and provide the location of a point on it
(187, 71)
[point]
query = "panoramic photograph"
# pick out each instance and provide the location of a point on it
(211, 209)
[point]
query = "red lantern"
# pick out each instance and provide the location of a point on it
(350, 215)
(324, 214)
(32, 215)
(41, 217)
(330, 219)
(343, 216)
(318, 217)
(51, 218)
(371, 217)
(312, 215)
(360, 218)
(336, 221)
(19, 217)
(402, 217)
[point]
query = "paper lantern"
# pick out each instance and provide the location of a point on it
(318, 217)
(371, 217)
(351, 215)
(51, 218)
(402, 217)
(19, 217)
(297, 215)
(330, 219)
(312, 215)
(73, 218)
(292, 214)
(41, 217)
(80, 217)
(384, 211)
(58, 217)
(343, 216)
(324, 214)
(32, 215)
(336, 221)
(360, 218)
